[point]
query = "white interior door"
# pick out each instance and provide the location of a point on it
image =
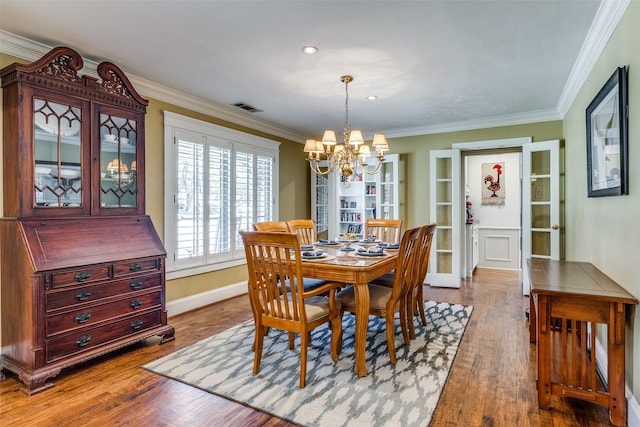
(540, 204)
(445, 209)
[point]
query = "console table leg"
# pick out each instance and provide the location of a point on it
(544, 351)
(616, 365)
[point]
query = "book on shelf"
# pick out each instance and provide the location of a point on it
(354, 228)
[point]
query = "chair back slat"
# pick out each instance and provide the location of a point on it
(425, 249)
(305, 229)
(404, 271)
(385, 230)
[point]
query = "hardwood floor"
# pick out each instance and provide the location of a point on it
(492, 382)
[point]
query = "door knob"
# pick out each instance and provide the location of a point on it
(555, 226)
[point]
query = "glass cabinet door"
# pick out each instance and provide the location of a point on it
(118, 161)
(57, 150)
(388, 188)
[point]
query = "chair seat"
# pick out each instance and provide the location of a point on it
(378, 296)
(385, 280)
(309, 284)
(316, 307)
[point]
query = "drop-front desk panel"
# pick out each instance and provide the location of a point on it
(567, 300)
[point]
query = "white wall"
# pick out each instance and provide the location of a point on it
(498, 225)
(507, 215)
(605, 231)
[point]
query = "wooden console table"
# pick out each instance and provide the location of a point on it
(567, 300)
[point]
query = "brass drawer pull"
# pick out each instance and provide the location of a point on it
(136, 303)
(83, 295)
(135, 267)
(83, 340)
(136, 285)
(136, 325)
(83, 317)
(82, 276)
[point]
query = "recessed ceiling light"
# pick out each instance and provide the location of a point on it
(372, 97)
(309, 50)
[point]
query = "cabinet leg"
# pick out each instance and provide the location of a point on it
(36, 383)
(168, 335)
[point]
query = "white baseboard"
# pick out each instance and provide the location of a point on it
(192, 302)
(633, 412)
(633, 408)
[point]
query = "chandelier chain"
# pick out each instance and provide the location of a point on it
(347, 125)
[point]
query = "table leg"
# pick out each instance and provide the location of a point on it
(362, 324)
(616, 362)
(544, 350)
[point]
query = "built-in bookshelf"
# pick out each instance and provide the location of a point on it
(366, 196)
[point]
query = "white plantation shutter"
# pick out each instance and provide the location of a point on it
(264, 188)
(244, 194)
(190, 222)
(219, 200)
(223, 181)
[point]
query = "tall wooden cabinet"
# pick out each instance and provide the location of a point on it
(83, 268)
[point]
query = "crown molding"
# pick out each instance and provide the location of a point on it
(29, 50)
(482, 123)
(605, 22)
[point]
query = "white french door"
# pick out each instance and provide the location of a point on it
(445, 203)
(540, 207)
(540, 204)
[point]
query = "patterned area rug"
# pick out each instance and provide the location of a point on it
(402, 395)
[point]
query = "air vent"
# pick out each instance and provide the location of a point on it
(247, 107)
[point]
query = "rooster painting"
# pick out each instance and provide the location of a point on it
(493, 184)
(492, 173)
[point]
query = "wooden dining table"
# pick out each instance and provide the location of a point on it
(350, 268)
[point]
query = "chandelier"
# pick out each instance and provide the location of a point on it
(350, 157)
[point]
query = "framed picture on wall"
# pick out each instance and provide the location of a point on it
(607, 139)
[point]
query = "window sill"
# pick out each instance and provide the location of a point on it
(180, 272)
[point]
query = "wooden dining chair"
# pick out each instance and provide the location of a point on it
(415, 296)
(305, 229)
(386, 301)
(283, 227)
(274, 264)
(385, 230)
(271, 226)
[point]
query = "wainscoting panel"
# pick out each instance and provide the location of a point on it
(499, 247)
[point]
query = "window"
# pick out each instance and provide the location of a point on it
(217, 182)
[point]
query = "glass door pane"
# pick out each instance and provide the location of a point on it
(118, 138)
(321, 205)
(388, 190)
(57, 153)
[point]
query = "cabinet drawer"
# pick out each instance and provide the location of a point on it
(79, 276)
(136, 266)
(88, 338)
(92, 293)
(93, 314)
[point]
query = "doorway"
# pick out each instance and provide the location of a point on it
(493, 197)
(540, 210)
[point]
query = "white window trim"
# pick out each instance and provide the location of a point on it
(178, 123)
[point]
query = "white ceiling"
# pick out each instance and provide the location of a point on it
(434, 65)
